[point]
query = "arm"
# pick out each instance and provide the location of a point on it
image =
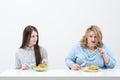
(108, 57)
(104, 55)
(44, 55)
(20, 62)
(17, 61)
(70, 60)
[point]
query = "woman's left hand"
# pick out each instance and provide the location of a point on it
(104, 55)
(44, 61)
(101, 50)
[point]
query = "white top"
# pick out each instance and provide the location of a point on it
(27, 56)
(61, 73)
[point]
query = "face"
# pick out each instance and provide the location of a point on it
(33, 38)
(91, 39)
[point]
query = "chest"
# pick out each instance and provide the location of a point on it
(27, 57)
(89, 58)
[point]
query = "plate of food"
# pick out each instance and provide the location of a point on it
(92, 68)
(40, 67)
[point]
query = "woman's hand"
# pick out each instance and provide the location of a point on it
(101, 50)
(74, 67)
(25, 67)
(44, 61)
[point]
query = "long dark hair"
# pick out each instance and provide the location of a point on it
(26, 38)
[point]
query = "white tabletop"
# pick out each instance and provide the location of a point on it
(61, 73)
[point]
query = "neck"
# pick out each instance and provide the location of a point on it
(91, 49)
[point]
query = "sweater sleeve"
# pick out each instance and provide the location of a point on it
(17, 61)
(43, 53)
(70, 59)
(112, 60)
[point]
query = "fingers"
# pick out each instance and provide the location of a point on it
(44, 61)
(102, 51)
(24, 67)
(75, 67)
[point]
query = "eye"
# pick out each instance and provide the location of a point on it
(32, 36)
(90, 36)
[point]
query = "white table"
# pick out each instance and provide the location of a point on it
(60, 74)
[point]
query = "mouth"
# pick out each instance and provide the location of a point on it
(34, 41)
(93, 43)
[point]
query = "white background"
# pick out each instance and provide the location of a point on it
(61, 23)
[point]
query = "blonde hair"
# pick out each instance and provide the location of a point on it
(98, 33)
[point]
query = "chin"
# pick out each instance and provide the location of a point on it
(34, 43)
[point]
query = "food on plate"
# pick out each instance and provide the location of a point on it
(92, 68)
(40, 67)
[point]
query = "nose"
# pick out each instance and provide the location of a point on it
(93, 39)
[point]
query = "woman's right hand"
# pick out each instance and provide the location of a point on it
(74, 67)
(25, 67)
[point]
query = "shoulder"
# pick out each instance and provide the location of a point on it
(105, 46)
(42, 48)
(76, 45)
(20, 51)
